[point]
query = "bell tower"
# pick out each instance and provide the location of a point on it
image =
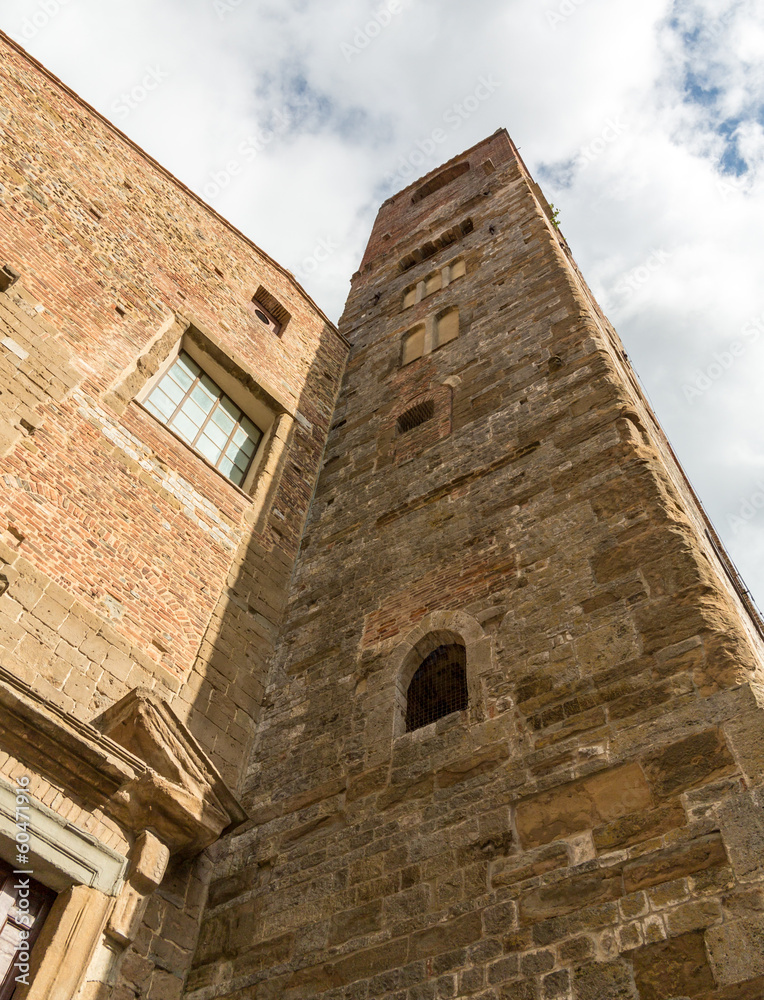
(511, 747)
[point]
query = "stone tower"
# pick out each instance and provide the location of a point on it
(511, 747)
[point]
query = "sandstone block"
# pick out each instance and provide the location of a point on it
(674, 863)
(737, 949)
(447, 936)
(604, 981)
(570, 894)
(582, 805)
(674, 968)
(688, 763)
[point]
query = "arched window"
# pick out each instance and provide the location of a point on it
(438, 687)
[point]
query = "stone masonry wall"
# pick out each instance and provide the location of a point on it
(125, 560)
(590, 827)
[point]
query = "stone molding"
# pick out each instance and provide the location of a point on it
(72, 753)
(60, 854)
(180, 794)
(137, 761)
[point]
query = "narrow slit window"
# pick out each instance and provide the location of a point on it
(438, 688)
(193, 406)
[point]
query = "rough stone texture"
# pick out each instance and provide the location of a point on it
(585, 828)
(589, 827)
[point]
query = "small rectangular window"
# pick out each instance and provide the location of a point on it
(193, 406)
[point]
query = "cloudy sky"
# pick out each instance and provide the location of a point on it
(643, 121)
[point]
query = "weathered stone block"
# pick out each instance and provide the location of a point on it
(674, 863)
(604, 981)
(570, 894)
(688, 763)
(581, 805)
(355, 923)
(674, 968)
(447, 936)
(736, 949)
(639, 826)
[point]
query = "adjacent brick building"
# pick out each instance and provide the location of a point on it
(493, 733)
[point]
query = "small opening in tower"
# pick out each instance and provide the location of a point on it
(417, 415)
(438, 688)
(439, 181)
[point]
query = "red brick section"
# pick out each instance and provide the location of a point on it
(111, 507)
(399, 218)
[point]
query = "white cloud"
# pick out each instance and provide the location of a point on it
(682, 179)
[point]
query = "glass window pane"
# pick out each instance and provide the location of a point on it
(248, 446)
(215, 434)
(221, 419)
(172, 389)
(237, 456)
(185, 427)
(208, 448)
(193, 412)
(160, 405)
(212, 390)
(249, 427)
(183, 372)
(230, 407)
(226, 466)
(202, 398)
(205, 418)
(240, 436)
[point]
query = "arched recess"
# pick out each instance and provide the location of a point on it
(441, 628)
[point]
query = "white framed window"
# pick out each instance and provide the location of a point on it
(193, 405)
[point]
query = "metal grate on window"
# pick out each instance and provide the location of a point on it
(438, 688)
(198, 411)
(417, 415)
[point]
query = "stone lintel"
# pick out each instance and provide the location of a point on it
(180, 795)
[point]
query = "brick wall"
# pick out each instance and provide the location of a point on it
(126, 560)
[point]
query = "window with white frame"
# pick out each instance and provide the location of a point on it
(193, 406)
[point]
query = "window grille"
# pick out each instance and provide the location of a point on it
(188, 402)
(438, 688)
(417, 415)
